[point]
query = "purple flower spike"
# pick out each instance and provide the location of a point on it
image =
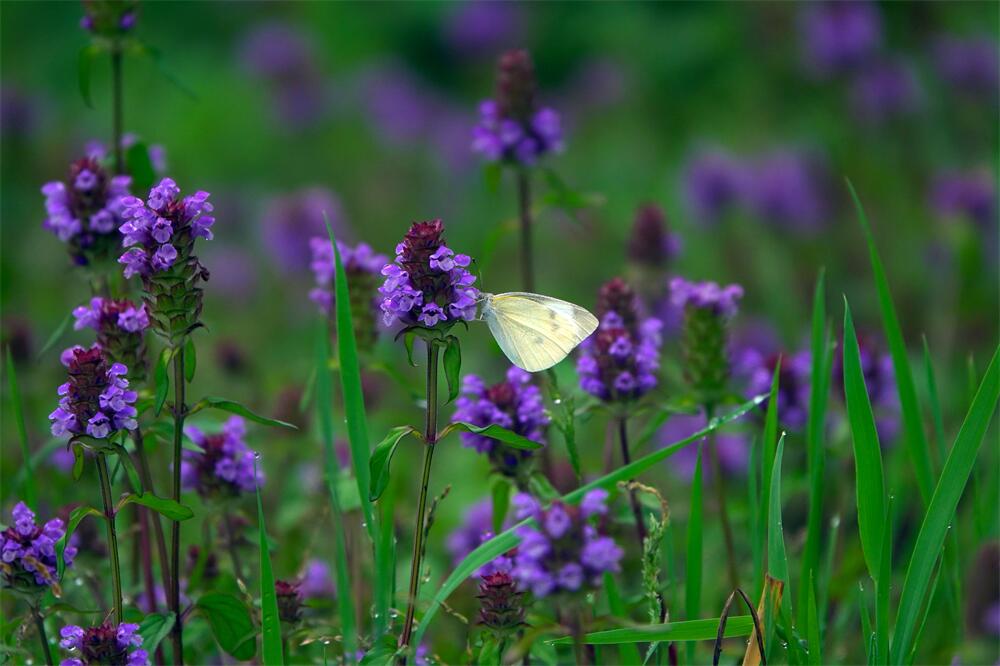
(714, 183)
(362, 267)
(839, 36)
(104, 644)
(225, 466)
(706, 296)
(96, 400)
(28, 551)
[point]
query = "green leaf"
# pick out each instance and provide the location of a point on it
(154, 54)
(190, 358)
(628, 653)
(165, 507)
(78, 459)
(231, 624)
(691, 630)
(126, 461)
(769, 443)
(500, 488)
(882, 588)
(140, 167)
(453, 367)
(777, 557)
(56, 335)
(408, 339)
(941, 511)
(161, 378)
(86, 63)
(870, 485)
(154, 628)
(693, 565)
(75, 517)
(350, 381)
(508, 539)
(30, 494)
(271, 649)
(234, 407)
(382, 456)
(812, 622)
(324, 411)
(508, 437)
(867, 635)
(913, 429)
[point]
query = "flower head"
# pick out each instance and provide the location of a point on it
(786, 190)
(28, 551)
(428, 284)
(707, 311)
(564, 550)
(501, 608)
(880, 381)
(86, 210)
(970, 65)
(225, 466)
(884, 90)
(290, 222)
(362, 267)
(106, 644)
(512, 127)
(620, 362)
(714, 183)
(289, 600)
(839, 36)
(757, 370)
(120, 326)
(733, 448)
(316, 581)
(651, 244)
(96, 400)
(971, 195)
(516, 404)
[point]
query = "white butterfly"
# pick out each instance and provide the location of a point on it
(535, 331)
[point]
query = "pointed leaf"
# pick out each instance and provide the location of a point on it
(382, 456)
(75, 517)
(165, 507)
(190, 358)
(161, 378)
(154, 628)
(234, 407)
(508, 437)
(271, 649)
(453, 367)
(231, 624)
(691, 630)
(56, 335)
(140, 167)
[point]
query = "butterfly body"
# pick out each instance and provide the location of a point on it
(534, 331)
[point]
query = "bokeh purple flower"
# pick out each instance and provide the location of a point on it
(885, 90)
(970, 65)
(428, 284)
(837, 37)
(516, 404)
(120, 325)
(96, 400)
(225, 465)
(566, 548)
(316, 581)
(786, 189)
(708, 309)
(652, 245)
(714, 183)
(483, 27)
(756, 369)
(880, 381)
(362, 266)
(28, 551)
(971, 195)
(476, 521)
(733, 448)
(290, 222)
(103, 644)
(109, 18)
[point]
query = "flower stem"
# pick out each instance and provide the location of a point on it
(430, 438)
(174, 598)
(640, 525)
(154, 518)
(524, 207)
(109, 516)
(117, 106)
(42, 636)
(720, 492)
(234, 554)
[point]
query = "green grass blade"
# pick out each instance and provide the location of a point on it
(867, 635)
(691, 630)
(768, 447)
(935, 403)
(350, 379)
(628, 652)
(504, 541)
(777, 557)
(758, 533)
(913, 429)
(30, 492)
(692, 565)
(324, 410)
(883, 584)
(819, 388)
(812, 623)
(870, 484)
(823, 589)
(941, 511)
(271, 650)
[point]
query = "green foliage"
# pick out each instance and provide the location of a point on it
(231, 624)
(271, 649)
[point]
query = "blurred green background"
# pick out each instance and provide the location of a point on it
(378, 108)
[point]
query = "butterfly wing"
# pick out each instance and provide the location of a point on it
(535, 331)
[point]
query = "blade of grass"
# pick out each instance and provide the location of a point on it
(777, 557)
(324, 410)
(870, 484)
(815, 643)
(30, 493)
(691, 630)
(867, 635)
(271, 650)
(758, 535)
(827, 573)
(882, 586)
(692, 565)
(628, 652)
(504, 541)
(913, 429)
(941, 511)
(819, 387)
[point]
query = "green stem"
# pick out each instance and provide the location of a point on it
(174, 598)
(720, 493)
(117, 106)
(109, 516)
(640, 525)
(430, 439)
(524, 208)
(154, 518)
(42, 636)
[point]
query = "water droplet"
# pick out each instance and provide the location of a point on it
(256, 455)
(326, 641)
(558, 401)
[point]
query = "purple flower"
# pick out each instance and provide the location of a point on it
(651, 243)
(512, 127)
(621, 360)
(290, 222)
(120, 325)
(838, 36)
(970, 65)
(225, 466)
(714, 183)
(96, 400)
(316, 581)
(880, 380)
(722, 301)
(104, 644)
(86, 210)
(757, 370)
(564, 550)
(416, 292)
(501, 608)
(515, 404)
(704, 339)
(970, 195)
(362, 267)
(163, 227)
(289, 600)
(477, 521)
(483, 27)
(786, 189)
(28, 551)
(734, 449)
(884, 90)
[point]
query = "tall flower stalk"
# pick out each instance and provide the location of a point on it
(707, 311)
